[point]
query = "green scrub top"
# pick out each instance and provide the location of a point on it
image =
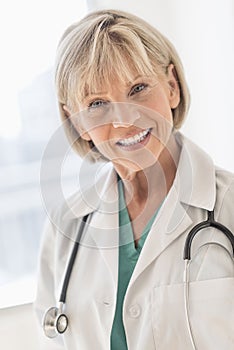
(128, 256)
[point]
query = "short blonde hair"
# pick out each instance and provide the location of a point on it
(106, 44)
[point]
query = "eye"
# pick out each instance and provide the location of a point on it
(137, 88)
(96, 104)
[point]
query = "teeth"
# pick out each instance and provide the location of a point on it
(135, 139)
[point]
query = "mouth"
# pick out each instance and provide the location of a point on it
(136, 141)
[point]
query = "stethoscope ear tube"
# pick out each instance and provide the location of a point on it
(210, 222)
(55, 321)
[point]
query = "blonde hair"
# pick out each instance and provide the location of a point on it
(107, 44)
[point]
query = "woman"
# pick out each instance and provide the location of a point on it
(123, 97)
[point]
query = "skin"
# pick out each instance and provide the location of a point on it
(147, 172)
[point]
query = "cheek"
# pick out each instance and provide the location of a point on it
(101, 138)
(161, 105)
(99, 135)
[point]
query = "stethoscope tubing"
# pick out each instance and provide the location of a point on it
(210, 222)
(72, 259)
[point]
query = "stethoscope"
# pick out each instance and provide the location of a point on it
(210, 222)
(55, 320)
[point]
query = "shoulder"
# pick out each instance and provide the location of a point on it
(224, 181)
(224, 174)
(93, 185)
(225, 196)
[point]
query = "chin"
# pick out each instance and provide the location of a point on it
(133, 165)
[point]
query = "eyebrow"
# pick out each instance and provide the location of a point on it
(100, 93)
(92, 95)
(136, 78)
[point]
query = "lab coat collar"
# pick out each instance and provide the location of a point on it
(100, 196)
(171, 222)
(195, 178)
(194, 183)
(101, 202)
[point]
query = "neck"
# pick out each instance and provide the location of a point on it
(152, 184)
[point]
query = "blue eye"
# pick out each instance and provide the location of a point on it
(96, 104)
(137, 88)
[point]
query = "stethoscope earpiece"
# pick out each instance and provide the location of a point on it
(54, 322)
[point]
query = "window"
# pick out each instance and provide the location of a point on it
(30, 31)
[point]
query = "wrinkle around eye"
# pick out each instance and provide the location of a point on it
(97, 104)
(134, 91)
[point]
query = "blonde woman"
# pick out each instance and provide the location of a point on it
(123, 97)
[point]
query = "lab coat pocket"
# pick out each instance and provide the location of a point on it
(211, 310)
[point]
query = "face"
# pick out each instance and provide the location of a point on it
(130, 123)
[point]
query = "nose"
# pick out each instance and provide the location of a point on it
(121, 124)
(124, 115)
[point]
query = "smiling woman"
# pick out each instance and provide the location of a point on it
(118, 50)
(123, 96)
(130, 118)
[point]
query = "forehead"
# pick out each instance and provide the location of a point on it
(115, 83)
(113, 64)
(104, 81)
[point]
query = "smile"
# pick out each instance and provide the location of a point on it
(130, 141)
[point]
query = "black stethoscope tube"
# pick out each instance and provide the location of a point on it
(72, 259)
(210, 222)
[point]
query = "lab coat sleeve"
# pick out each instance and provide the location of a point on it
(45, 296)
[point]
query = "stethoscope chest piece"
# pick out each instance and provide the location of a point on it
(54, 322)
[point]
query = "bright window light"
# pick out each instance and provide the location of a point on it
(29, 34)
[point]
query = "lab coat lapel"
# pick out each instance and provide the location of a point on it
(104, 225)
(194, 186)
(100, 201)
(171, 222)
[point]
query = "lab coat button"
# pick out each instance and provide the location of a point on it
(134, 311)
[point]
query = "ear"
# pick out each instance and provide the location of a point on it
(83, 134)
(66, 111)
(174, 89)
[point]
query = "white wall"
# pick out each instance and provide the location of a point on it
(203, 33)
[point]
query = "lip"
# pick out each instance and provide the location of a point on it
(137, 145)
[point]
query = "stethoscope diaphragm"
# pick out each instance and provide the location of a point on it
(54, 322)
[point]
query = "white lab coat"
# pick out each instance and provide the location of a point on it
(153, 310)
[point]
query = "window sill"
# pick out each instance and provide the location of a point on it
(22, 291)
